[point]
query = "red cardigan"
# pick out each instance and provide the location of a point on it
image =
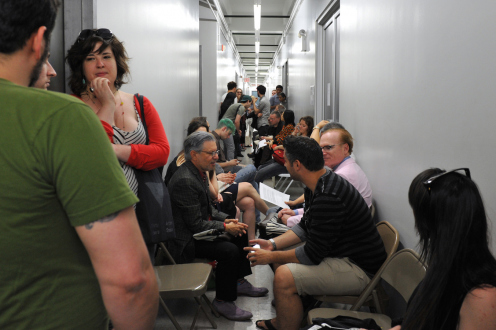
(153, 155)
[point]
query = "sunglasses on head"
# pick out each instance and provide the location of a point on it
(105, 34)
(427, 183)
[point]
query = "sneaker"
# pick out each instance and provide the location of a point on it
(246, 289)
(230, 311)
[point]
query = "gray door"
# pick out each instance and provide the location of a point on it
(331, 68)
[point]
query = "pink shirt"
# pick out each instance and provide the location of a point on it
(350, 170)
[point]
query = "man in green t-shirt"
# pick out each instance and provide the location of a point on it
(71, 248)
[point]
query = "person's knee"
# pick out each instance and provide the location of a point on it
(283, 280)
(229, 253)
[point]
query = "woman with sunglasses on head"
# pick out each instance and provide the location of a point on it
(459, 288)
(98, 63)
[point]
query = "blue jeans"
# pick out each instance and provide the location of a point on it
(268, 170)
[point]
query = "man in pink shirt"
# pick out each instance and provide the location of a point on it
(337, 146)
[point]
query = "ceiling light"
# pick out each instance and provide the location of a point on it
(256, 61)
(257, 47)
(256, 69)
(257, 9)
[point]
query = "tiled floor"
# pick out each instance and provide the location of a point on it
(261, 308)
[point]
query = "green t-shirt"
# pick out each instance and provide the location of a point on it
(233, 110)
(57, 171)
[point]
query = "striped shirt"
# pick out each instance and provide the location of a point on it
(138, 136)
(337, 224)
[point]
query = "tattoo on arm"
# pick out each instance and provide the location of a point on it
(107, 218)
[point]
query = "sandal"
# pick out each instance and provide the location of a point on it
(268, 325)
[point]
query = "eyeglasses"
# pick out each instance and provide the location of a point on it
(212, 153)
(427, 183)
(330, 147)
(105, 34)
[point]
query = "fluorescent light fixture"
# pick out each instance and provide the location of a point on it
(257, 9)
(257, 47)
(256, 61)
(256, 69)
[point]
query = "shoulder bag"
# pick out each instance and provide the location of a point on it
(154, 211)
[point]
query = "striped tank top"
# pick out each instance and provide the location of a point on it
(138, 136)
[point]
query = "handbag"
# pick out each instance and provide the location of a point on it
(278, 156)
(212, 235)
(343, 322)
(271, 227)
(154, 211)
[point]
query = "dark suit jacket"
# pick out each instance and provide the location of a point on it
(191, 209)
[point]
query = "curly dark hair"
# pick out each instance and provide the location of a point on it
(80, 50)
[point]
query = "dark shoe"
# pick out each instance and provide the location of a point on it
(246, 289)
(230, 311)
(240, 155)
(252, 155)
(268, 325)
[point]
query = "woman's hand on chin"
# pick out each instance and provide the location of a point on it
(103, 93)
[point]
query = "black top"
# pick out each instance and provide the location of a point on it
(337, 223)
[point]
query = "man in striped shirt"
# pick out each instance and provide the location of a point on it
(342, 250)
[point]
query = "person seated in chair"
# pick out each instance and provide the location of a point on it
(337, 146)
(193, 214)
(343, 248)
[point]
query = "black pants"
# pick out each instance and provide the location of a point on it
(231, 264)
(237, 147)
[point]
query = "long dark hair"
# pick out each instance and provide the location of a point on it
(451, 222)
(289, 117)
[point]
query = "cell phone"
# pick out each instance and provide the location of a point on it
(255, 246)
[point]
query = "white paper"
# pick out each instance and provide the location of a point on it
(262, 144)
(273, 196)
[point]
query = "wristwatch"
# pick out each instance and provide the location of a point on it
(274, 246)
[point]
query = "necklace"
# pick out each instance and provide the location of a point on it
(122, 110)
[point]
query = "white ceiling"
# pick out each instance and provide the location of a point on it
(276, 12)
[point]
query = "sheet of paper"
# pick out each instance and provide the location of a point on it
(273, 196)
(262, 144)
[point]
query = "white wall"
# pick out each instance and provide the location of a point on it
(418, 84)
(301, 73)
(162, 39)
(208, 40)
(227, 66)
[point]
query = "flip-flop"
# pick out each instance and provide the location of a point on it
(268, 324)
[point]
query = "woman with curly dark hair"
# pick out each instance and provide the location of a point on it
(98, 63)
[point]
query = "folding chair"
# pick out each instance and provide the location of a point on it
(184, 281)
(281, 182)
(403, 272)
(391, 240)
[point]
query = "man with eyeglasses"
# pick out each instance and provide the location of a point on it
(71, 248)
(193, 213)
(343, 249)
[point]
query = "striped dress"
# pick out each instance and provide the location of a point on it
(138, 136)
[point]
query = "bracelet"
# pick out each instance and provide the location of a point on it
(315, 127)
(274, 246)
(296, 211)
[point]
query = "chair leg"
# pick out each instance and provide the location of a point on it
(290, 182)
(209, 303)
(212, 322)
(196, 317)
(172, 318)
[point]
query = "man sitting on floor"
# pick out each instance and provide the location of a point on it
(343, 249)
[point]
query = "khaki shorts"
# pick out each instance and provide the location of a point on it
(331, 277)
